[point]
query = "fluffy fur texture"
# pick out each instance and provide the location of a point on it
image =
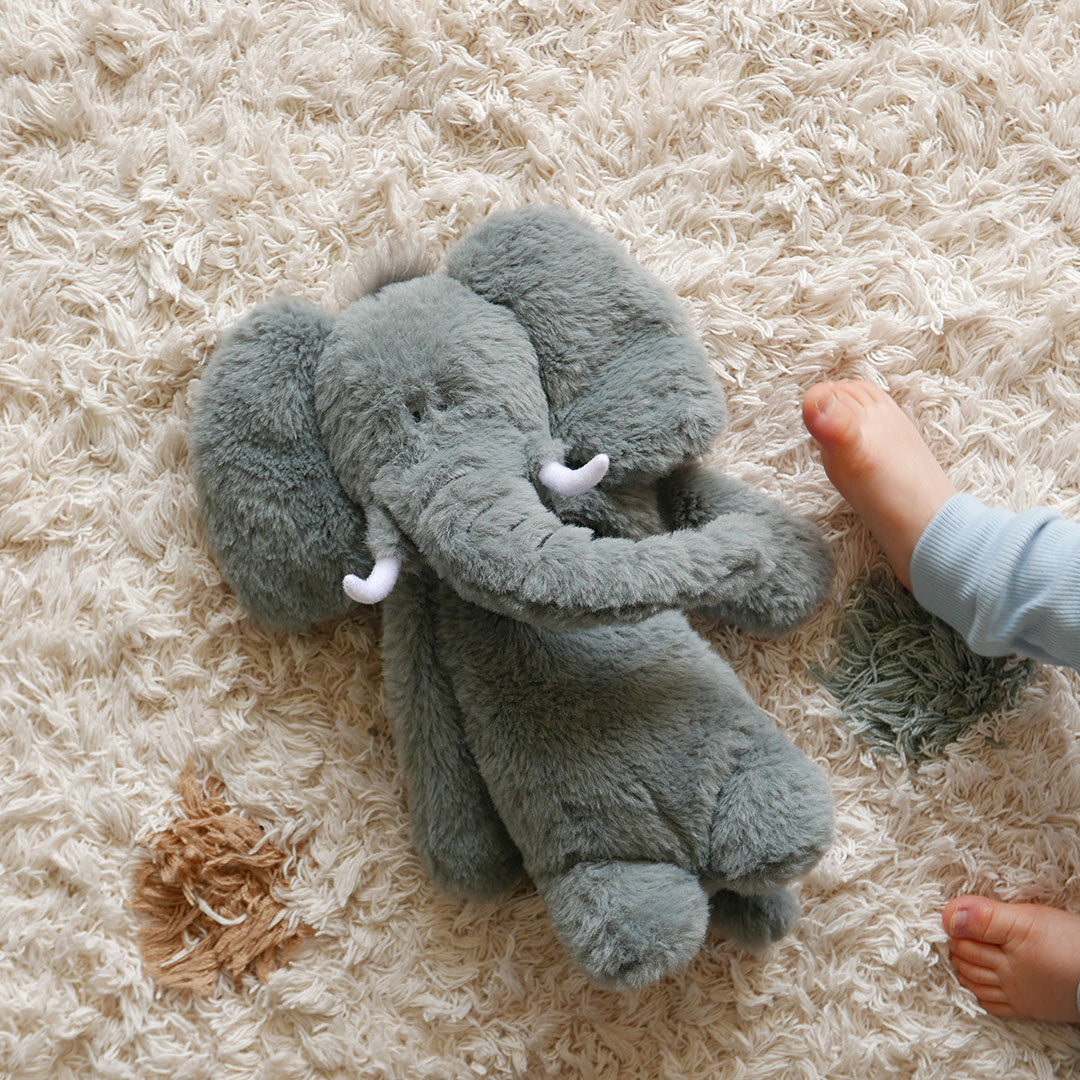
(868, 189)
(435, 415)
(906, 682)
(284, 532)
(609, 340)
(622, 764)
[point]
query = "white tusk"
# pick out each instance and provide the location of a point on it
(376, 586)
(564, 481)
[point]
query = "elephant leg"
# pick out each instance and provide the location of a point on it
(753, 921)
(773, 817)
(462, 841)
(693, 495)
(627, 924)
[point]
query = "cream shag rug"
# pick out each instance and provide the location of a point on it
(858, 188)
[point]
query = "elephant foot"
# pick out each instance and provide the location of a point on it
(693, 495)
(477, 867)
(773, 819)
(753, 921)
(792, 591)
(628, 924)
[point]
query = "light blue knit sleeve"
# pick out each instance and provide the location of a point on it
(1009, 583)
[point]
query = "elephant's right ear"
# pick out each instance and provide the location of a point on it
(282, 530)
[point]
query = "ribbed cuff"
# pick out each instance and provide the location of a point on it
(949, 563)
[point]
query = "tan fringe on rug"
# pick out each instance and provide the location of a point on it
(208, 893)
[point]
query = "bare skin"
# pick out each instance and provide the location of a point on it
(878, 461)
(1020, 960)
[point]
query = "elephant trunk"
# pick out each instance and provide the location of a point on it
(485, 531)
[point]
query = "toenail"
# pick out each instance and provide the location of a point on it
(826, 403)
(957, 922)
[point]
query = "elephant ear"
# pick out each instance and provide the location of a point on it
(623, 372)
(283, 531)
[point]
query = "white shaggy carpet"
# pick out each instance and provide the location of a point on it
(835, 187)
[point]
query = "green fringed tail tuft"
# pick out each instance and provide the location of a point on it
(906, 682)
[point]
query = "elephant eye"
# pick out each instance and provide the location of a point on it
(432, 399)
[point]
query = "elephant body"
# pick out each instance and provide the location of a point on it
(624, 768)
(554, 711)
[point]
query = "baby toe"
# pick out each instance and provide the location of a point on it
(976, 952)
(975, 973)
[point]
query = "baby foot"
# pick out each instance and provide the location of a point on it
(878, 461)
(1019, 960)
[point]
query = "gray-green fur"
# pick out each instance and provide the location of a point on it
(906, 682)
(283, 531)
(554, 712)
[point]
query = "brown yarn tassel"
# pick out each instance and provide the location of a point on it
(209, 897)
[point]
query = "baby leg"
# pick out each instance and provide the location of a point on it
(879, 463)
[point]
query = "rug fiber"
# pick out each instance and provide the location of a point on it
(835, 188)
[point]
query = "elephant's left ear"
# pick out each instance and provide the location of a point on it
(283, 531)
(622, 369)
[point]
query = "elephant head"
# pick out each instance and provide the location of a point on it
(433, 419)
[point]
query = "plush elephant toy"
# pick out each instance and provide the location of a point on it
(504, 454)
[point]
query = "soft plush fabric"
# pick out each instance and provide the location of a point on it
(872, 189)
(268, 495)
(623, 768)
